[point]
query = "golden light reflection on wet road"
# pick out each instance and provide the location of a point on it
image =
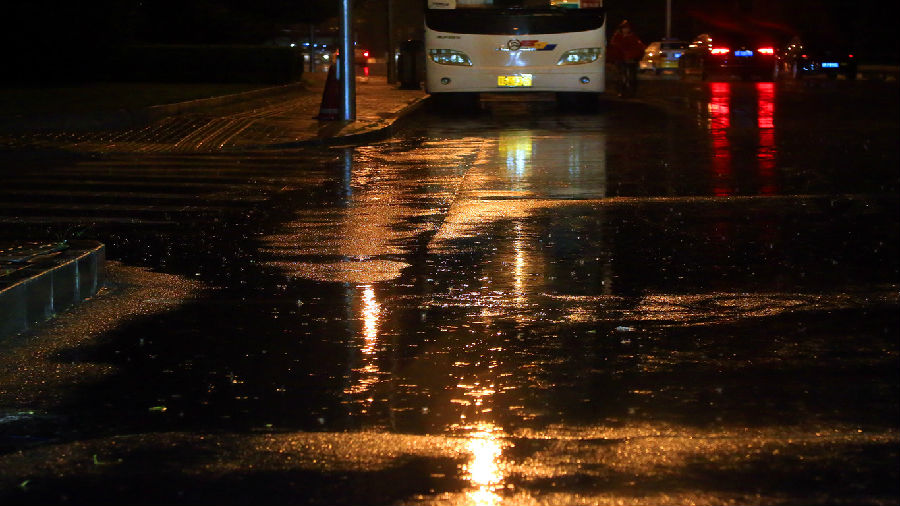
(519, 269)
(521, 172)
(358, 237)
(367, 373)
(505, 367)
(485, 470)
(516, 149)
(371, 311)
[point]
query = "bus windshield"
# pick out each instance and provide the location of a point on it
(513, 17)
(516, 4)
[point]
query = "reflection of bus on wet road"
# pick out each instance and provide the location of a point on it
(479, 46)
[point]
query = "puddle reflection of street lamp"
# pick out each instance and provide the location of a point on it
(484, 471)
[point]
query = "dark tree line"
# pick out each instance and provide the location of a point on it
(75, 40)
(225, 21)
(98, 23)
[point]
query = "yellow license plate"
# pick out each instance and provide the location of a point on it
(521, 80)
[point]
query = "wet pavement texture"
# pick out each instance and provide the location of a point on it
(685, 299)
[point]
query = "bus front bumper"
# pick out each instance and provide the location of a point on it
(448, 79)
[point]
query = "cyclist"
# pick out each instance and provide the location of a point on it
(625, 49)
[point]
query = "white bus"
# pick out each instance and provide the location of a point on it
(480, 46)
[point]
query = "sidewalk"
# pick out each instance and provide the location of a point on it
(281, 116)
(292, 123)
(37, 280)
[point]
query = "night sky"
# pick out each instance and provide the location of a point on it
(864, 25)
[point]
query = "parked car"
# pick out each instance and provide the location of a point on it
(802, 59)
(662, 55)
(360, 56)
(729, 55)
(320, 55)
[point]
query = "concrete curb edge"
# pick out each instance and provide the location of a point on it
(381, 131)
(74, 276)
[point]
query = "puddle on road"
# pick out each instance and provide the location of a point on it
(446, 260)
(518, 322)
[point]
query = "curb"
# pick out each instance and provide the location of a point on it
(368, 133)
(49, 285)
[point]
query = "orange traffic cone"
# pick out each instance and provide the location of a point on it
(331, 97)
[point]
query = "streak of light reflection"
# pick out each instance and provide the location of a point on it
(719, 123)
(484, 441)
(368, 371)
(766, 153)
(485, 471)
(519, 269)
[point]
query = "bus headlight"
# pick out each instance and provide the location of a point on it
(579, 56)
(449, 57)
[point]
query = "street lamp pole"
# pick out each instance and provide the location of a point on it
(668, 19)
(311, 48)
(391, 71)
(347, 65)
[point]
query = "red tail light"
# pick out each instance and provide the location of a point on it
(366, 54)
(720, 50)
(766, 50)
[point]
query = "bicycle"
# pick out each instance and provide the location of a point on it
(628, 78)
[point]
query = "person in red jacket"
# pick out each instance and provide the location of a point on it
(625, 50)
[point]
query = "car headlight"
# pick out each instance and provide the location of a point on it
(449, 57)
(579, 56)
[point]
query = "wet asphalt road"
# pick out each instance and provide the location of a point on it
(686, 298)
